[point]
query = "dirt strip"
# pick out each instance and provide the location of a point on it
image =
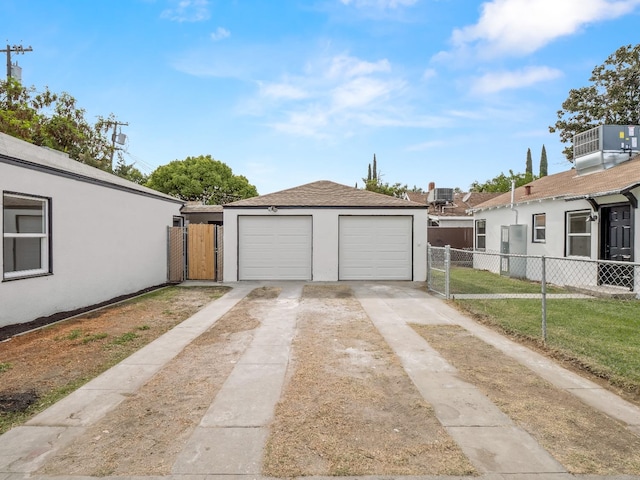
(584, 440)
(348, 407)
(144, 435)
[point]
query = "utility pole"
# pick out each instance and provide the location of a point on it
(15, 49)
(118, 138)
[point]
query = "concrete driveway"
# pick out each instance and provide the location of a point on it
(231, 435)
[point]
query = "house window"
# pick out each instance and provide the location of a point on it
(539, 227)
(26, 235)
(578, 234)
(481, 234)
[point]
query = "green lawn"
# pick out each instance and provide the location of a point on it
(601, 335)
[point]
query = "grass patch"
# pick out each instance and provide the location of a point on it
(144, 327)
(94, 338)
(125, 338)
(469, 280)
(74, 334)
(599, 335)
(4, 366)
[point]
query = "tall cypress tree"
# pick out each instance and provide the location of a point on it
(369, 173)
(375, 168)
(529, 169)
(543, 162)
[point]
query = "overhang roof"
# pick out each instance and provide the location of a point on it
(18, 152)
(199, 208)
(324, 194)
(568, 185)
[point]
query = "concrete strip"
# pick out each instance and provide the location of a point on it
(25, 449)
(78, 409)
(222, 451)
(247, 398)
(497, 446)
(265, 355)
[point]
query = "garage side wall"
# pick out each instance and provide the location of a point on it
(104, 243)
(325, 242)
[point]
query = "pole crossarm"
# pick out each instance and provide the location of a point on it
(15, 49)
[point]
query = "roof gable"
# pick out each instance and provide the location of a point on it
(324, 194)
(569, 184)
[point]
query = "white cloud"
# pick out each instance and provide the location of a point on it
(429, 73)
(220, 34)
(344, 66)
(498, 81)
(187, 11)
(282, 91)
(519, 27)
(382, 4)
(361, 92)
(420, 147)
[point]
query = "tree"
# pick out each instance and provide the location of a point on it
(201, 179)
(55, 121)
(130, 172)
(543, 162)
(529, 165)
(373, 182)
(502, 182)
(375, 172)
(612, 98)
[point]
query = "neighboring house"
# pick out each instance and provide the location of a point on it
(589, 212)
(450, 218)
(73, 235)
(196, 212)
(324, 231)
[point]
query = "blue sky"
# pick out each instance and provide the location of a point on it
(287, 92)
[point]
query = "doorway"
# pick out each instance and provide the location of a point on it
(616, 245)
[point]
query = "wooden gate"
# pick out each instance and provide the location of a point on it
(201, 252)
(194, 253)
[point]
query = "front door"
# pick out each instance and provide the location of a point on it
(617, 246)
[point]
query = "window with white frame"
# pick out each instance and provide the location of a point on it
(481, 234)
(539, 227)
(26, 235)
(578, 234)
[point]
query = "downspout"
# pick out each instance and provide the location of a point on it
(513, 196)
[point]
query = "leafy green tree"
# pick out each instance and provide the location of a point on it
(130, 172)
(502, 182)
(543, 162)
(374, 182)
(54, 120)
(529, 165)
(203, 179)
(612, 98)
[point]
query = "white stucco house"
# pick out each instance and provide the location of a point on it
(324, 231)
(73, 235)
(588, 212)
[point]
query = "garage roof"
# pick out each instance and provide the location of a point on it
(324, 194)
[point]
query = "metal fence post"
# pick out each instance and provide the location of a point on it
(429, 264)
(544, 298)
(447, 273)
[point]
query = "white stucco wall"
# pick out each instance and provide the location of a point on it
(105, 243)
(325, 238)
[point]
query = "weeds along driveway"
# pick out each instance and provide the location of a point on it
(327, 379)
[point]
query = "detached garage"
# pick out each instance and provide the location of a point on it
(324, 231)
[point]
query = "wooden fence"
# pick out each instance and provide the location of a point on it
(194, 253)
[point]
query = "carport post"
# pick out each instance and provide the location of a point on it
(447, 265)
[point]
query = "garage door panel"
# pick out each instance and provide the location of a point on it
(274, 248)
(376, 248)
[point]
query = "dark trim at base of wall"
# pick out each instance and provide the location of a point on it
(9, 331)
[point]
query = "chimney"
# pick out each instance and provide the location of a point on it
(527, 189)
(432, 186)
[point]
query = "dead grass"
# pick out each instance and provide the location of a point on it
(584, 440)
(348, 407)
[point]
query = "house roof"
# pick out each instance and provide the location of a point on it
(18, 152)
(462, 202)
(199, 208)
(324, 194)
(569, 185)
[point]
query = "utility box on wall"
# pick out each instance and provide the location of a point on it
(513, 241)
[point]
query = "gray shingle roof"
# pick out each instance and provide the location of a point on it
(569, 184)
(324, 194)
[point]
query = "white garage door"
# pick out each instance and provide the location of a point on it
(376, 248)
(274, 248)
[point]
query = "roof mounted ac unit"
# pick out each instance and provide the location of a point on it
(440, 195)
(604, 146)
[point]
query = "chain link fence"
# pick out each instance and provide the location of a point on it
(484, 276)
